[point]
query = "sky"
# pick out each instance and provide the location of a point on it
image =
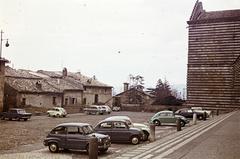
(106, 38)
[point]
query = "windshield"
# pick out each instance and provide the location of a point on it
(21, 111)
(88, 129)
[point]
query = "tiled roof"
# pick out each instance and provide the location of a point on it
(200, 15)
(87, 81)
(10, 72)
(51, 81)
(30, 85)
(220, 14)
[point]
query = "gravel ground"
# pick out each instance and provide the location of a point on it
(25, 136)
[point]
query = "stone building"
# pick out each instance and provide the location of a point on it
(132, 99)
(52, 88)
(2, 81)
(213, 58)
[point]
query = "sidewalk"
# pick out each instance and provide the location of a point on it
(167, 145)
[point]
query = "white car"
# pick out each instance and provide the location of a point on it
(57, 112)
(116, 108)
(201, 110)
(107, 108)
(145, 129)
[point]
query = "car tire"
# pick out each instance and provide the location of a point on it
(58, 115)
(53, 147)
(157, 122)
(200, 117)
(146, 135)
(182, 123)
(135, 140)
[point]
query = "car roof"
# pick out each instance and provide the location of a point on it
(74, 124)
(112, 119)
(165, 111)
(16, 109)
(118, 117)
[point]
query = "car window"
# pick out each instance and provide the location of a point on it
(169, 114)
(73, 130)
(21, 111)
(59, 130)
(119, 125)
(105, 125)
(87, 129)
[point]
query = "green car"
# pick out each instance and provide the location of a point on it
(167, 117)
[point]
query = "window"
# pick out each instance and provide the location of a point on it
(84, 100)
(96, 98)
(54, 101)
(119, 125)
(105, 125)
(59, 130)
(23, 101)
(66, 101)
(72, 130)
(73, 101)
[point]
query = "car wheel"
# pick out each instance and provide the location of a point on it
(146, 135)
(48, 114)
(157, 122)
(135, 140)
(182, 123)
(58, 115)
(53, 147)
(200, 117)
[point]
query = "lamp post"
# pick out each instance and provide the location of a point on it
(7, 44)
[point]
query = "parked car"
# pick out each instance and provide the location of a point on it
(94, 109)
(200, 109)
(188, 113)
(75, 136)
(143, 127)
(167, 117)
(107, 108)
(57, 112)
(16, 113)
(119, 131)
(116, 108)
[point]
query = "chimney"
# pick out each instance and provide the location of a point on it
(125, 86)
(64, 72)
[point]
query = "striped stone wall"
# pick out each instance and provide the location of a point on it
(213, 64)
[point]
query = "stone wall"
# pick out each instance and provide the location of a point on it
(213, 49)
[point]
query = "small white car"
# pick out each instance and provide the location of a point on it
(107, 108)
(57, 112)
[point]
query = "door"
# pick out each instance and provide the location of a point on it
(105, 128)
(120, 132)
(170, 118)
(75, 138)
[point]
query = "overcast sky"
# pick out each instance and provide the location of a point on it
(107, 38)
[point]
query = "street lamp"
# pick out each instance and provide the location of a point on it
(7, 44)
